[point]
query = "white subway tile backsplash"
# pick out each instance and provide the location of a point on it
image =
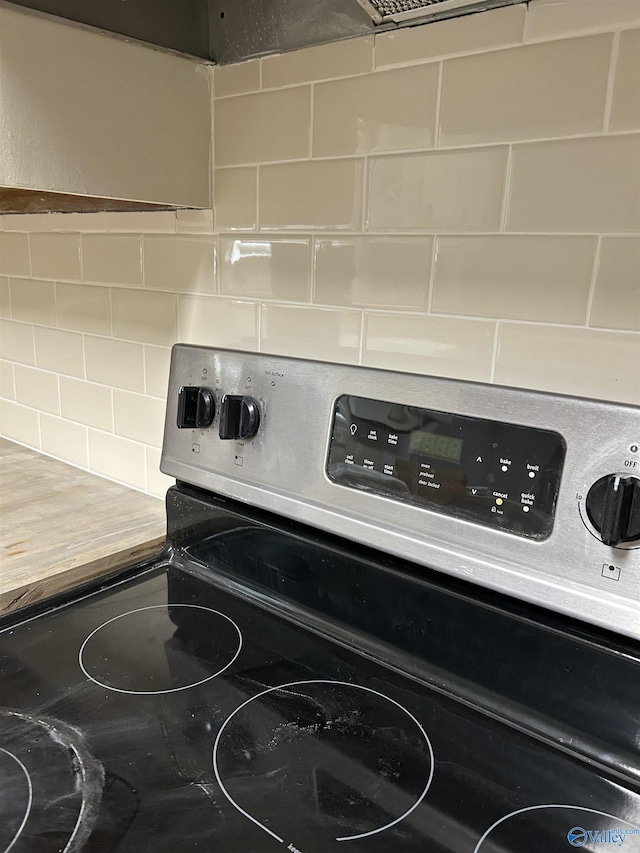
(616, 301)
(157, 483)
(376, 112)
(55, 256)
(318, 194)
(5, 298)
(14, 253)
(236, 79)
(191, 221)
(33, 301)
(119, 364)
(236, 197)
(117, 458)
(263, 127)
(64, 439)
(471, 34)
(16, 342)
(27, 222)
(37, 388)
(84, 308)
(590, 185)
(440, 346)
(20, 423)
(438, 191)
(142, 221)
(389, 272)
(180, 264)
(86, 403)
(73, 222)
(145, 316)
(339, 59)
(266, 267)
(516, 278)
(327, 334)
(7, 380)
(138, 417)
(112, 259)
(156, 370)
(61, 352)
(625, 110)
(556, 18)
(584, 362)
(217, 321)
(531, 92)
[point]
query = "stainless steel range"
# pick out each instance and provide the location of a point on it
(393, 613)
(535, 495)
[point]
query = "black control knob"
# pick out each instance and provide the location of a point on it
(239, 417)
(196, 407)
(613, 507)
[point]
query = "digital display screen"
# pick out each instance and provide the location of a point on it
(444, 447)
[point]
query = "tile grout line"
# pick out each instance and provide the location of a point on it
(364, 198)
(29, 253)
(312, 102)
(314, 249)
(592, 284)
(436, 128)
(144, 368)
(494, 354)
(613, 63)
(143, 272)
(506, 191)
(362, 334)
(257, 208)
(259, 325)
(432, 274)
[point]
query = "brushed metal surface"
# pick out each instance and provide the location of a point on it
(282, 470)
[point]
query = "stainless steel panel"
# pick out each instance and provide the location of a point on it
(282, 470)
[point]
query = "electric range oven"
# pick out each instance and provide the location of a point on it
(393, 613)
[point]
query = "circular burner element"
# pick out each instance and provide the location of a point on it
(323, 758)
(16, 797)
(50, 785)
(558, 828)
(160, 649)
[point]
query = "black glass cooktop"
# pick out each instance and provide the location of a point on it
(215, 701)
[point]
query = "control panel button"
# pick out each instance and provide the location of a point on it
(613, 507)
(239, 417)
(196, 407)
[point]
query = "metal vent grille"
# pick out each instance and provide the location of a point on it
(383, 11)
(395, 7)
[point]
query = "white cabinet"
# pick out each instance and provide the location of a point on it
(88, 114)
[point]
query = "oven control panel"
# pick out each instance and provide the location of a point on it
(497, 474)
(535, 495)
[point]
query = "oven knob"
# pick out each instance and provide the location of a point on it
(613, 507)
(196, 407)
(239, 417)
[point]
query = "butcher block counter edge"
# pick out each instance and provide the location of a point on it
(61, 526)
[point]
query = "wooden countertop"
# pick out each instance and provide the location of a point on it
(60, 526)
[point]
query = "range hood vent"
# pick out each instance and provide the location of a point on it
(398, 11)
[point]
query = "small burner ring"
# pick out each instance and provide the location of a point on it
(166, 645)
